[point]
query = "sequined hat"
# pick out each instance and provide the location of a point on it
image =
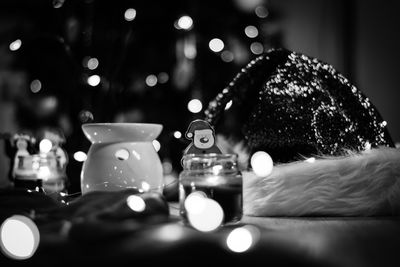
(292, 106)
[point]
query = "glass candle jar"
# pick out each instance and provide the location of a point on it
(215, 175)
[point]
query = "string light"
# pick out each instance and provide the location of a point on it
(136, 203)
(227, 56)
(93, 63)
(261, 12)
(204, 214)
(145, 186)
(184, 23)
(130, 14)
(177, 134)
(216, 45)
(228, 105)
(35, 86)
(251, 31)
(162, 77)
(15, 45)
(80, 156)
(261, 163)
(19, 237)
(45, 146)
(195, 106)
(151, 80)
(94, 80)
(239, 240)
(256, 48)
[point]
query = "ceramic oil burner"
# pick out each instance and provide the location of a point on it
(121, 156)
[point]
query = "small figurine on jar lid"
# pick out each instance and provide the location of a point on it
(203, 138)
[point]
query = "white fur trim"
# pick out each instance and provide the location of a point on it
(363, 184)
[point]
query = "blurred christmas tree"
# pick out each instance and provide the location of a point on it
(130, 61)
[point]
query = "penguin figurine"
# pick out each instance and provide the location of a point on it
(202, 135)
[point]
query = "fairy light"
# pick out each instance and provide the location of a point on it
(35, 86)
(45, 146)
(80, 156)
(19, 237)
(261, 12)
(195, 106)
(177, 134)
(194, 202)
(151, 80)
(251, 31)
(241, 239)
(162, 77)
(216, 45)
(130, 14)
(256, 48)
(92, 63)
(261, 163)
(208, 218)
(184, 23)
(145, 186)
(136, 203)
(15, 45)
(94, 80)
(227, 56)
(228, 105)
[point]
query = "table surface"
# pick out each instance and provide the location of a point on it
(301, 241)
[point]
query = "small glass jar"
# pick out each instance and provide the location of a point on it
(218, 177)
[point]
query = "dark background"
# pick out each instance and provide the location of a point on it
(359, 38)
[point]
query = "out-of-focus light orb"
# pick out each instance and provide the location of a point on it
(251, 31)
(45, 146)
(156, 145)
(261, 12)
(19, 237)
(163, 77)
(195, 202)
(85, 116)
(80, 156)
(167, 167)
(177, 134)
(170, 233)
(210, 217)
(92, 63)
(35, 86)
(190, 51)
(15, 45)
(227, 56)
(228, 105)
(58, 3)
(239, 240)
(145, 186)
(216, 45)
(151, 80)
(262, 163)
(94, 80)
(310, 160)
(195, 106)
(136, 203)
(185, 23)
(130, 14)
(257, 48)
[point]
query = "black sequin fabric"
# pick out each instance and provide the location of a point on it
(293, 106)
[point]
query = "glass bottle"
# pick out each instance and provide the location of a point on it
(218, 177)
